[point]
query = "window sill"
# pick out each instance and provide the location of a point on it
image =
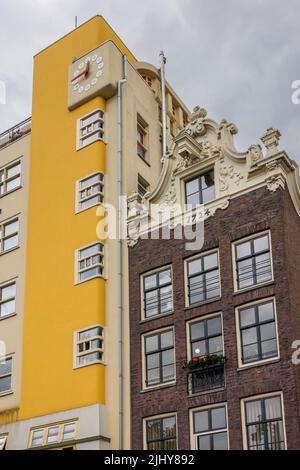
(91, 143)
(257, 286)
(145, 161)
(258, 364)
(158, 387)
(156, 317)
(10, 192)
(101, 363)
(9, 251)
(5, 394)
(79, 211)
(8, 316)
(199, 304)
(78, 283)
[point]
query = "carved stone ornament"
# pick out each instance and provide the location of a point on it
(224, 124)
(255, 153)
(171, 196)
(271, 141)
(227, 173)
(207, 150)
(275, 180)
(196, 127)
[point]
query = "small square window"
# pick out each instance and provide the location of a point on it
(200, 190)
(90, 262)
(89, 191)
(8, 299)
(10, 178)
(89, 346)
(9, 235)
(90, 128)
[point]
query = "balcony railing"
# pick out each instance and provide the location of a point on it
(204, 378)
(15, 132)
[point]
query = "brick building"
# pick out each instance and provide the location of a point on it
(212, 328)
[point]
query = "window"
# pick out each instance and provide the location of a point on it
(3, 441)
(203, 278)
(90, 262)
(206, 336)
(253, 261)
(9, 235)
(264, 423)
(142, 138)
(161, 433)
(148, 80)
(159, 358)
(89, 346)
(210, 428)
(90, 128)
(158, 293)
(90, 191)
(143, 186)
(8, 299)
(200, 190)
(5, 375)
(53, 434)
(258, 332)
(10, 178)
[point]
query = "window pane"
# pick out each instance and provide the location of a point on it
(256, 440)
(269, 348)
(267, 331)
(89, 333)
(250, 353)
(263, 268)
(153, 430)
(216, 345)
(275, 435)
(37, 438)
(153, 361)
(214, 326)
(207, 180)
(166, 298)
(208, 194)
(192, 186)
(14, 170)
(91, 180)
(7, 308)
(253, 411)
(201, 421)
(151, 299)
(218, 418)
(12, 184)
(169, 427)
(5, 366)
(197, 330)
(210, 261)
(11, 242)
(249, 336)
(266, 312)
(199, 349)
(167, 339)
(90, 358)
(168, 373)
(150, 281)
(212, 284)
(220, 441)
(69, 431)
(273, 407)
(247, 316)
(90, 273)
(165, 277)
(261, 244)
(196, 291)
(52, 435)
(90, 202)
(204, 443)
(151, 343)
(245, 273)
(193, 200)
(243, 249)
(194, 267)
(153, 377)
(11, 227)
(5, 384)
(91, 250)
(8, 292)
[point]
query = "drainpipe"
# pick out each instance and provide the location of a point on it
(163, 61)
(120, 253)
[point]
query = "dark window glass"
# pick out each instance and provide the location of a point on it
(160, 360)
(258, 332)
(161, 434)
(158, 293)
(203, 278)
(201, 189)
(206, 337)
(264, 424)
(253, 262)
(210, 427)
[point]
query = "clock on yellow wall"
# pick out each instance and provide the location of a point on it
(94, 74)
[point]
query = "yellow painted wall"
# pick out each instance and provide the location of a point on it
(54, 306)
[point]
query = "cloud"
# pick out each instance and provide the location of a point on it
(237, 59)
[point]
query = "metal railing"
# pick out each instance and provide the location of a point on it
(15, 132)
(207, 378)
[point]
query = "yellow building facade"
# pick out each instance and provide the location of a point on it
(93, 103)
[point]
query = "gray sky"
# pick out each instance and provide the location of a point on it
(236, 58)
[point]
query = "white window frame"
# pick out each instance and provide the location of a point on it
(77, 342)
(234, 261)
(155, 417)
(3, 441)
(3, 224)
(149, 273)
(45, 429)
(143, 128)
(10, 391)
(80, 128)
(144, 369)
(3, 285)
(78, 190)
(78, 271)
(259, 397)
(193, 436)
(7, 179)
(186, 279)
(238, 333)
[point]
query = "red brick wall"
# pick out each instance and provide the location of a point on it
(246, 215)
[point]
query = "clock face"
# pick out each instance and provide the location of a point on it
(87, 74)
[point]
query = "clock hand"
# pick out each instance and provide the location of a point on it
(85, 73)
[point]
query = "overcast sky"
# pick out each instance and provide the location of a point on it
(236, 58)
